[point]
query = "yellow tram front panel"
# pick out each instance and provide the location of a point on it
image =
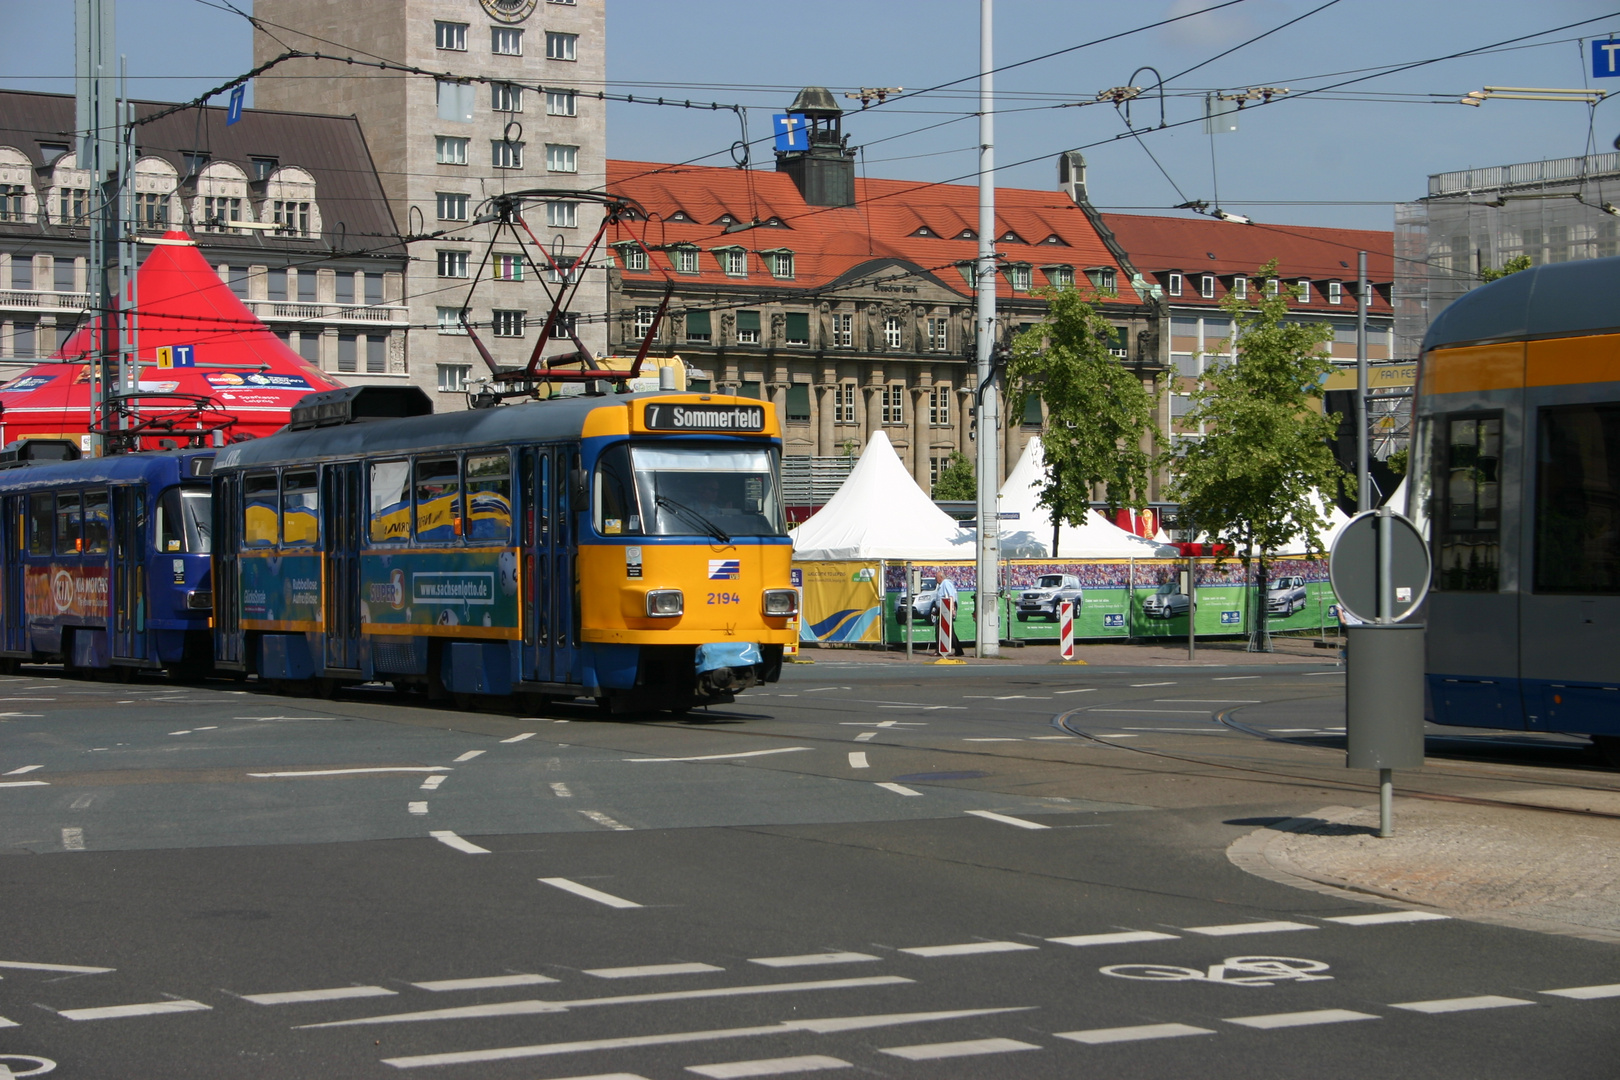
(722, 585)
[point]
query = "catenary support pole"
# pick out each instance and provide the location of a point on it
(1363, 480)
(1386, 803)
(1192, 607)
(908, 596)
(986, 606)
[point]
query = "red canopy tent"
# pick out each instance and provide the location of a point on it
(242, 379)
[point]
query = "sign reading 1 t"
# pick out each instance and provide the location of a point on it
(176, 356)
(1606, 59)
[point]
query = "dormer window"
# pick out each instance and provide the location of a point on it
(1335, 292)
(1273, 287)
(774, 223)
(1055, 240)
(1010, 237)
(1173, 284)
(725, 219)
(1206, 286)
(967, 234)
(1101, 277)
(1304, 290)
(924, 231)
(781, 264)
(260, 168)
(1240, 287)
(1061, 277)
(733, 261)
(50, 151)
(680, 215)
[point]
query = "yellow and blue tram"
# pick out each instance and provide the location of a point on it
(1516, 476)
(629, 548)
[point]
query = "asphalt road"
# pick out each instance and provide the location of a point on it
(1013, 870)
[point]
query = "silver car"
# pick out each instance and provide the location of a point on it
(1285, 596)
(1166, 602)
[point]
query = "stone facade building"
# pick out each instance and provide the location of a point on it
(515, 109)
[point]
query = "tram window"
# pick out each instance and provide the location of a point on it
(69, 523)
(1470, 529)
(689, 491)
(41, 511)
(258, 515)
(613, 501)
(95, 521)
(300, 509)
(183, 520)
(489, 497)
(1578, 500)
(438, 500)
(390, 502)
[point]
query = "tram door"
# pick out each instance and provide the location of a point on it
(547, 565)
(129, 527)
(340, 502)
(16, 628)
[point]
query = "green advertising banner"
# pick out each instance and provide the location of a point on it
(281, 592)
(473, 592)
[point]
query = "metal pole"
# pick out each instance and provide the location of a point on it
(909, 596)
(1363, 481)
(1192, 607)
(1386, 583)
(1386, 803)
(989, 554)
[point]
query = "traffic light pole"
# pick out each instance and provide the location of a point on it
(987, 601)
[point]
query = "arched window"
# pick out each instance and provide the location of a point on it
(222, 197)
(68, 202)
(289, 201)
(17, 199)
(155, 182)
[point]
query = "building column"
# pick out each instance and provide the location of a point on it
(824, 419)
(870, 393)
(919, 430)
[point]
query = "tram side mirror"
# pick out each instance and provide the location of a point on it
(576, 486)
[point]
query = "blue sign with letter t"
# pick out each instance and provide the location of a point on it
(1606, 59)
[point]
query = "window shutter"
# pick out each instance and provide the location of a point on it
(798, 326)
(747, 320)
(697, 322)
(798, 401)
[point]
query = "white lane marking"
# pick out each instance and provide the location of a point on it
(450, 839)
(561, 791)
(72, 969)
(862, 737)
(1587, 993)
(210, 727)
(1466, 1004)
(982, 739)
(82, 802)
(727, 1070)
(25, 783)
(29, 699)
(605, 821)
(1300, 1019)
(970, 948)
(489, 982)
(1386, 917)
(24, 769)
(1232, 929)
(4, 1023)
(925, 708)
(819, 689)
(150, 1008)
(1293, 730)
(1209, 701)
(72, 839)
(469, 755)
(1005, 819)
(30, 715)
(432, 783)
(1099, 1036)
(1051, 736)
(588, 893)
(1323, 673)
(281, 718)
(1134, 684)
(1232, 678)
(898, 789)
(519, 738)
(857, 759)
(1123, 937)
(645, 970)
(187, 731)
(532, 1007)
(1158, 712)
(1083, 690)
(349, 772)
(1119, 736)
(812, 959)
(720, 757)
(970, 1048)
(416, 807)
(832, 1024)
(336, 993)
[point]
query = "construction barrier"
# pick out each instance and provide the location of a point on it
(947, 619)
(1066, 629)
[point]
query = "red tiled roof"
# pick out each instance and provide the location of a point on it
(1197, 245)
(830, 242)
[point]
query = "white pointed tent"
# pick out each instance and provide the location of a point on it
(1336, 520)
(1030, 536)
(880, 513)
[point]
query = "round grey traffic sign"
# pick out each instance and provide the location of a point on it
(1354, 566)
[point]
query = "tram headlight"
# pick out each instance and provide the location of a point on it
(665, 603)
(781, 603)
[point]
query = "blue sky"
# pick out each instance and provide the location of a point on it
(1325, 159)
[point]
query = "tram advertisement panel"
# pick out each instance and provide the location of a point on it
(281, 592)
(453, 593)
(76, 591)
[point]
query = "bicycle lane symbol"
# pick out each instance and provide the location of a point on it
(1233, 971)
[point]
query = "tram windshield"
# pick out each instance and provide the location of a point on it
(183, 521)
(688, 491)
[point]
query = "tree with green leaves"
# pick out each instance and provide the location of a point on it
(1489, 274)
(1253, 479)
(1100, 429)
(956, 480)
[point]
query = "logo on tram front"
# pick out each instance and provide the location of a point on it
(62, 591)
(725, 569)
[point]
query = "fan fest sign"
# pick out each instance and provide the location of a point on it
(54, 591)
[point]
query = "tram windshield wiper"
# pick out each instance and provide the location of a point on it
(692, 515)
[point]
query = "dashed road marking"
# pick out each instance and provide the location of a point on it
(1139, 684)
(993, 740)
(769, 1066)
(469, 755)
(72, 839)
(351, 772)
(862, 737)
(450, 839)
(1233, 929)
(605, 821)
(647, 970)
(24, 769)
(970, 948)
(1232, 678)
(187, 731)
(519, 738)
(1463, 1004)
(1123, 937)
(1587, 993)
(1051, 736)
(150, 1008)
(970, 1048)
(1383, 917)
(1300, 1019)
(70, 969)
(857, 759)
(432, 783)
(336, 993)
(588, 893)
(1082, 690)
(898, 789)
(25, 783)
(812, 959)
(721, 757)
(561, 790)
(1100, 1036)
(488, 982)
(1006, 819)
(416, 807)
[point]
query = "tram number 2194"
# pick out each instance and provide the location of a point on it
(724, 598)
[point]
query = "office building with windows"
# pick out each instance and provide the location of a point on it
(516, 109)
(284, 205)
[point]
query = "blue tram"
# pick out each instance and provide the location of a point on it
(104, 562)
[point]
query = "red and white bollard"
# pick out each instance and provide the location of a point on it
(1066, 629)
(947, 624)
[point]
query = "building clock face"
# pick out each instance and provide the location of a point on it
(508, 11)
